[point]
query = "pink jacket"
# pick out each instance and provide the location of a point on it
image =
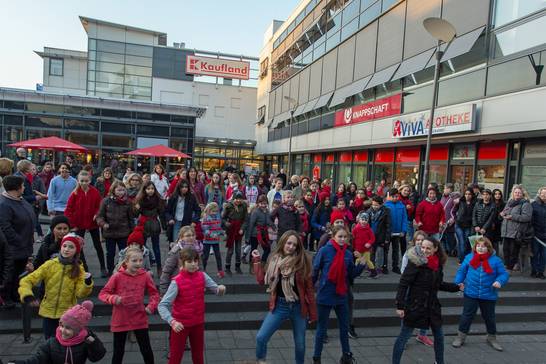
(130, 314)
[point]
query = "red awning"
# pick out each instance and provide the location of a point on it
(52, 142)
(159, 151)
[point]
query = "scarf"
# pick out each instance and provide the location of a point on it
(433, 262)
(282, 269)
(68, 343)
(160, 176)
(262, 235)
(29, 177)
(431, 201)
(65, 261)
(483, 260)
(107, 185)
(120, 200)
(337, 271)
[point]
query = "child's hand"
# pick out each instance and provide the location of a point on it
(400, 313)
(367, 246)
(105, 226)
(256, 254)
(171, 222)
(497, 284)
(241, 232)
(221, 290)
(90, 339)
(34, 303)
(177, 326)
(117, 300)
(357, 254)
(461, 287)
(148, 311)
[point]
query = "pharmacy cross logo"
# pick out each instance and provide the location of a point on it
(348, 115)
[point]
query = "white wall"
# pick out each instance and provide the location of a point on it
(73, 80)
(231, 110)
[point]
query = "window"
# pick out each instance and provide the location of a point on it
(370, 14)
(81, 138)
(152, 130)
(454, 90)
(117, 128)
(203, 100)
(235, 103)
(515, 75)
(264, 65)
(520, 38)
(507, 11)
(119, 141)
(56, 66)
(219, 111)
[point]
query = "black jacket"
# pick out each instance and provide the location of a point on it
(464, 214)
(28, 193)
(539, 219)
(418, 292)
(484, 216)
(192, 211)
(288, 220)
(52, 352)
(17, 221)
(6, 260)
(47, 250)
(381, 224)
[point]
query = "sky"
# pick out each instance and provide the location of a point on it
(230, 26)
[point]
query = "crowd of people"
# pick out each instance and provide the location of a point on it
(304, 238)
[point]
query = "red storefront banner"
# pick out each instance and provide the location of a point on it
(378, 109)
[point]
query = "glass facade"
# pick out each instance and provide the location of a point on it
(211, 157)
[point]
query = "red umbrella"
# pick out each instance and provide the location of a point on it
(159, 151)
(52, 142)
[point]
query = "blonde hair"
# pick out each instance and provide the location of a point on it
(24, 165)
(116, 184)
(416, 234)
(184, 230)
(6, 166)
(131, 176)
(522, 189)
(485, 241)
(210, 206)
(130, 250)
(82, 173)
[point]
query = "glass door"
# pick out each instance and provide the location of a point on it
(462, 176)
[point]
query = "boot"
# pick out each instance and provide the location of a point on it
(347, 358)
(228, 270)
(238, 270)
(492, 340)
(316, 360)
(459, 340)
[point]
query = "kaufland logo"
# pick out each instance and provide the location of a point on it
(217, 67)
(193, 63)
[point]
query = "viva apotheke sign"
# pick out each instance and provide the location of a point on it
(217, 67)
(378, 109)
(446, 120)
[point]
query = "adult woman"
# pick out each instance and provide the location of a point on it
(133, 184)
(481, 275)
(417, 298)
(196, 187)
(82, 209)
(160, 180)
(539, 225)
(105, 181)
(60, 189)
(182, 208)
(292, 295)
(498, 201)
(516, 229)
(263, 189)
(463, 223)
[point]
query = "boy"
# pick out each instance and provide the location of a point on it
(275, 194)
(381, 226)
(235, 218)
(399, 227)
(289, 218)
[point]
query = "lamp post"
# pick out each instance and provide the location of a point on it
(292, 110)
(442, 31)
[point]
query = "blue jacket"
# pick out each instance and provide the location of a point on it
(477, 283)
(326, 291)
(399, 217)
(59, 191)
(319, 220)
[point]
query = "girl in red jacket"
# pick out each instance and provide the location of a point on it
(125, 291)
(304, 218)
(183, 307)
(430, 216)
(82, 209)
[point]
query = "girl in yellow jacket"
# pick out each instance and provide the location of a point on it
(65, 281)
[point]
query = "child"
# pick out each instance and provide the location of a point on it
(358, 203)
(183, 307)
(58, 296)
(136, 239)
(363, 240)
(304, 221)
(58, 228)
(333, 268)
(287, 215)
(234, 218)
(481, 275)
(257, 229)
(115, 217)
(211, 224)
(186, 239)
(399, 227)
(72, 340)
(347, 214)
(336, 219)
(125, 292)
(381, 226)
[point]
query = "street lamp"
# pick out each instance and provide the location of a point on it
(294, 102)
(442, 31)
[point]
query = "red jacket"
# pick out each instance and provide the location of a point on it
(406, 201)
(304, 218)
(81, 208)
(358, 206)
(172, 186)
(130, 314)
(363, 236)
(189, 305)
(430, 215)
(326, 191)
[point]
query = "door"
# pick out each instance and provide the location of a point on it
(461, 176)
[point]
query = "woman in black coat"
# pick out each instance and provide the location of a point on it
(182, 208)
(417, 298)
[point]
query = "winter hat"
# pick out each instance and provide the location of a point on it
(336, 215)
(76, 240)
(238, 195)
(59, 219)
(363, 216)
(137, 236)
(78, 317)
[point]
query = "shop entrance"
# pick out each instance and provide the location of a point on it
(462, 176)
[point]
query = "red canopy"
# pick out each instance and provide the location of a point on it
(52, 142)
(159, 151)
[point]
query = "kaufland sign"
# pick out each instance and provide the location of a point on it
(217, 67)
(447, 120)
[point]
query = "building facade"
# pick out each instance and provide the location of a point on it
(357, 77)
(131, 67)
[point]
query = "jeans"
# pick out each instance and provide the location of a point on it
(538, 260)
(95, 236)
(156, 249)
(254, 245)
(342, 313)
(283, 311)
(511, 249)
(178, 340)
(236, 248)
(411, 230)
(381, 256)
(487, 309)
(49, 326)
(406, 332)
(143, 340)
(463, 245)
(449, 242)
(217, 255)
(111, 251)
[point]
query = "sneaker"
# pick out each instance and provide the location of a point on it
(385, 270)
(425, 340)
(347, 358)
(352, 332)
(221, 274)
(373, 273)
(316, 360)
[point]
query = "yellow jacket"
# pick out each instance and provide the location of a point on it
(61, 291)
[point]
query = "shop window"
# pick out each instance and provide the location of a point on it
(383, 171)
(13, 134)
(344, 168)
(43, 122)
(117, 128)
(491, 176)
(533, 177)
(507, 11)
(81, 138)
(245, 153)
(464, 152)
(119, 141)
(461, 176)
(437, 173)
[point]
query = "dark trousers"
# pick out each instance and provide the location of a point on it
(217, 255)
(111, 251)
(38, 226)
(449, 242)
(156, 249)
(487, 309)
(342, 313)
(143, 340)
(95, 236)
(511, 249)
(18, 268)
(398, 248)
(254, 245)
(49, 326)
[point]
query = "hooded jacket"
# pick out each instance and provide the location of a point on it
(479, 284)
(399, 217)
(82, 208)
(118, 216)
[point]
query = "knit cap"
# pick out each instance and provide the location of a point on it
(78, 317)
(75, 239)
(238, 195)
(137, 236)
(336, 215)
(59, 219)
(363, 216)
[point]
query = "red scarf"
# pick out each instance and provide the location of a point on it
(30, 177)
(233, 233)
(433, 262)
(337, 271)
(262, 235)
(482, 259)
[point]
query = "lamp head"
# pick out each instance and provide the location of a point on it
(440, 29)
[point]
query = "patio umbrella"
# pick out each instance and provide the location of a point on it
(53, 142)
(158, 151)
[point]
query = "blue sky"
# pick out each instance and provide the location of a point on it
(231, 26)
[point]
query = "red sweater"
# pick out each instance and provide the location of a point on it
(130, 314)
(81, 208)
(430, 215)
(363, 236)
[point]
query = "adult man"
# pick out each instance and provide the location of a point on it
(59, 190)
(24, 168)
(75, 168)
(17, 221)
(20, 154)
